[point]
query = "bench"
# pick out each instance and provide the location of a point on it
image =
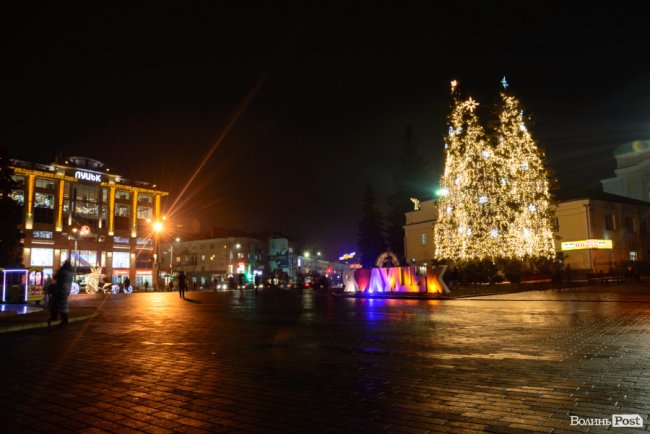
(603, 278)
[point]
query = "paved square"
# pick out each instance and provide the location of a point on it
(281, 361)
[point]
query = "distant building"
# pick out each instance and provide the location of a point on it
(206, 260)
(603, 232)
(632, 171)
(419, 245)
(78, 208)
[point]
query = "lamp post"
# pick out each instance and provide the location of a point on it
(75, 236)
(157, 229)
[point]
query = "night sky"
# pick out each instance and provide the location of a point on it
(148, 89)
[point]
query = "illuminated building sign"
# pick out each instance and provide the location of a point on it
(87, 176)
(586, 244)
(347, 256)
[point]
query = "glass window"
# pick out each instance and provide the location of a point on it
(86, 200)
(121, 259)
(144, 212)
(84, 258)
(19, 180)
(609, 222)
(43, 200)
(86, 193)
(143, 241)
(42, 257)
(42, 234)
(423, 239)
(44, 183)
(121, 240)
(121, 194)
(122, 210)
(87, 209)
(145, 198)
(18, 196)
(633, 256)
(629, 225)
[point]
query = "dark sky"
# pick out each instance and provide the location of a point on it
(147, 88)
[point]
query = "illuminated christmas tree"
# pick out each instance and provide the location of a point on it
(531, 231)
(473, 217)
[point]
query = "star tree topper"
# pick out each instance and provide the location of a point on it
(504, 82)
(471, 104)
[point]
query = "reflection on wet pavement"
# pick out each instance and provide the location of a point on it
(291, 361)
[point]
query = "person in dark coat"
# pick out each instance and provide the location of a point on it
(182, 281)
(60, 291)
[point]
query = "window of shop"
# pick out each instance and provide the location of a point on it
(86, 200)
(140, 280)
(42, 257)
(143, 241)
(42, 234)
(84, 258)
(121, 240)
(43, 200)
(44, 183)
(18, 196)
(122, 210)
(121, 259)
(124, 195)
(145, 212)
(43, 207)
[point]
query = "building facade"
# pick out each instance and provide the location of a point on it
(77, 208)
(632, 171)
(419, 245)
(602, 233)
(206, 261)
(209, 261)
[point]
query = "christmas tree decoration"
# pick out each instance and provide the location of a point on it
(472, 224)
(497, 201)
(528, 193)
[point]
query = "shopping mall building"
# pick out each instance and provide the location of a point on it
(77, 208)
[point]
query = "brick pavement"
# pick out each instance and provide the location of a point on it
(283, 362)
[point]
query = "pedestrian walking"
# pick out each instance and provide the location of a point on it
(127, 284)
(59, 292)
(146, 285)
(182, 281)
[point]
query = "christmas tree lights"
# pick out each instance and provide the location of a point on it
(532, 228)
(496, 201)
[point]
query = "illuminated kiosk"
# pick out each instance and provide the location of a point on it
(396, 282)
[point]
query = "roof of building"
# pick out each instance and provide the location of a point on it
(596, 194)
(632, 147)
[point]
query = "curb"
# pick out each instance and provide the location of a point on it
(39, 324)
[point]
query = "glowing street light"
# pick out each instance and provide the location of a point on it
(157, 229)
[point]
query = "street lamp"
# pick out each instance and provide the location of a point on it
(157, 229)
(76, 252)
